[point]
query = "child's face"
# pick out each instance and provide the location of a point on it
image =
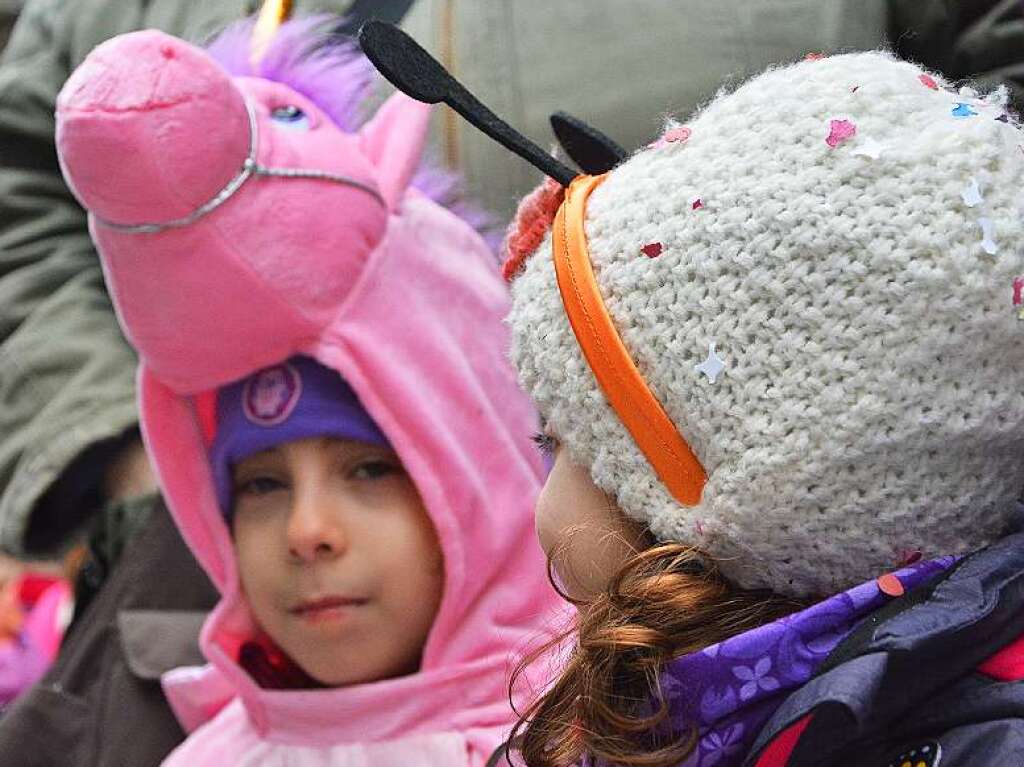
(582, 530)
(338, 559)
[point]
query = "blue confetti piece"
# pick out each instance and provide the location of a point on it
(963, 110)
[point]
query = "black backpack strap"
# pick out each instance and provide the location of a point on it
(855, 642)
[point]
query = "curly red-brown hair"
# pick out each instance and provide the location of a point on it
(665, 602)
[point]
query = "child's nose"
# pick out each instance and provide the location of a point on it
(314, 530)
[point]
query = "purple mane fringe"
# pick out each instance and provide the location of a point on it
(332, 73)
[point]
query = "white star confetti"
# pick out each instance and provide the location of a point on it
(712, 367)
(868, 148)
(972, 194)
(988, 243)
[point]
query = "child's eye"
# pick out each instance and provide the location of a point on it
(545, 443)
(258, 486)
(374, 469)
(290, 117)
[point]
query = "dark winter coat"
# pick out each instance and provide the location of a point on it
(935, 678)
(101, 704)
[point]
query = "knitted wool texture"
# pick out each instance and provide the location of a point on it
(872, 401)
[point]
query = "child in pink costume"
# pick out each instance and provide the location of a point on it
(243, 221)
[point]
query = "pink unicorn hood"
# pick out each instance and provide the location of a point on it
(239, 225)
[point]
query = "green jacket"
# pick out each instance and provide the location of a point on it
(66, 374)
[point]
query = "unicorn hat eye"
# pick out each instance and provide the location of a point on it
(290, 117)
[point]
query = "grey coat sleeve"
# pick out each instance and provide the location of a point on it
(66, 372)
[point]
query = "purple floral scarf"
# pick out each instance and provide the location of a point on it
(731, 689)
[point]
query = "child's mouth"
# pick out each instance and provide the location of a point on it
(329, 608)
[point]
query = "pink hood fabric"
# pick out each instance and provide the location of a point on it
(333, 256)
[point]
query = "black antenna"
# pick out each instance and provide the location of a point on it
(586, 145)
(415, 72)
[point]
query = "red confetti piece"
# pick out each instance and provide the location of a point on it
(652, 249)
(1018, 291)
(697, 204)
(840, 131)
(928, 81)
(909, 556)
(890, 585)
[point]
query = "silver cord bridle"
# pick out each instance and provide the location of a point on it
(249, 169)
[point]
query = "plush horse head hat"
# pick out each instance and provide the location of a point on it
(243, 218)
(789, 332)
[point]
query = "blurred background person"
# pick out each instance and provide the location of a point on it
(619, 65)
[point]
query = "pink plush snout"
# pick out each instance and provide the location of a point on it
(149, 128)
(154, 135)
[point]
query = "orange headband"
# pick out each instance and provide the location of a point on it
(623, 385)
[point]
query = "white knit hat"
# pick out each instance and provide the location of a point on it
(845, 235)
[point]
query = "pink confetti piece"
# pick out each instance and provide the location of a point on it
(928, 81)
(674, 136)
(699, 526)
(1018, 291)
(840, 131)
(697, 204)
(680, 134)
(652, 249)
(815, 56)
